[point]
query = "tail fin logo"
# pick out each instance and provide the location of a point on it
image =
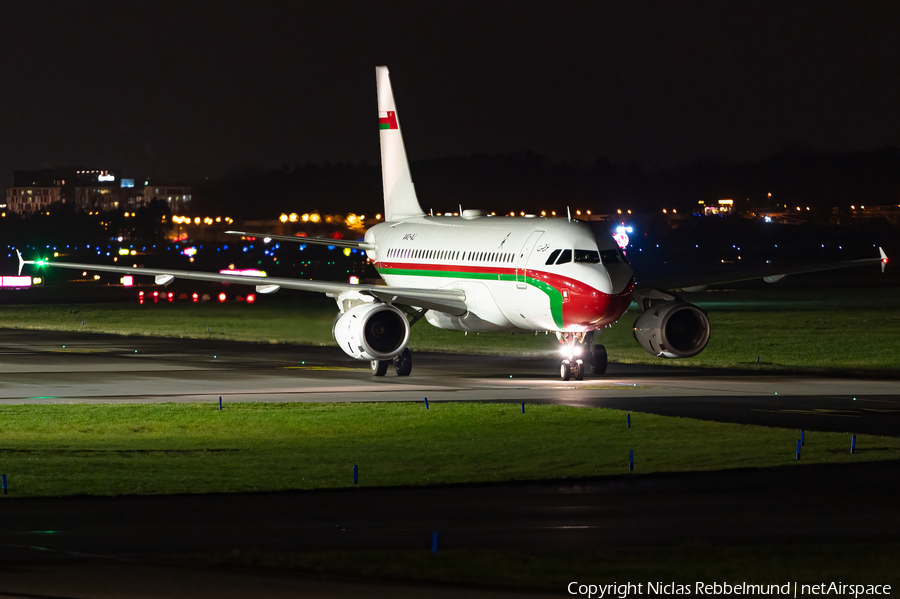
(387, 120)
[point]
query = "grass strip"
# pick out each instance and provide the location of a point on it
(546, 571)
(119, 449)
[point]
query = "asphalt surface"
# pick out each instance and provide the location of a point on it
(108, 547)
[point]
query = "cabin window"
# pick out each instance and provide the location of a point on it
(565, 257)
(587, 256)
(553, 255)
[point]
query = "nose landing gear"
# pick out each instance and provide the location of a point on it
(576, 348)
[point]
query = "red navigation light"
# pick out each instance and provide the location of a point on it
(221, 297)
(251, 298)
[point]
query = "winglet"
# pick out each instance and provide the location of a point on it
(884, 259)
(22, 261)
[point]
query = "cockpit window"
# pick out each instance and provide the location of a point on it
(587, 256)
(552, 258)
(610, 256)
(564, 257)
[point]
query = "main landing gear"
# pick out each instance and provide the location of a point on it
(402, 364)
(576, 349)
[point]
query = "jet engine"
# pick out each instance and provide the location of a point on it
(672, 330)
(372, 331)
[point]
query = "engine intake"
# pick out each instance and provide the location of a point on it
(672, 330)
(372, 331)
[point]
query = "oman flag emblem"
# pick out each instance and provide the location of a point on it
(387, 120)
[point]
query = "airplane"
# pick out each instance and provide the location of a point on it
(480, 273)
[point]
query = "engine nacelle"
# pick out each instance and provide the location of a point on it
(372, 331)
(672, 330)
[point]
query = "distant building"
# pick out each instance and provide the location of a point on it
(89, 190)
(178, 198)
(28, 200)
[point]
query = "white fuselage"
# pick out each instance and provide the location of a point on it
(517, 273)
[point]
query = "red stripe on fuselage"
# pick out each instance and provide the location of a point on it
(583, 305)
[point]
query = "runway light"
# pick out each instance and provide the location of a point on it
(221, 297)
(195, 297)
(251, 298)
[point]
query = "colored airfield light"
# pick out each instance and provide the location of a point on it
(221, 297)
(195, 297)
(251, 298)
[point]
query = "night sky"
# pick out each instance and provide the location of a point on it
(189, 89)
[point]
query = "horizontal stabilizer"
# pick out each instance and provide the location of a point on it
(341, 243)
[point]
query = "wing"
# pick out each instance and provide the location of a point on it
(341, 243)
(451, 301)
(769, 274)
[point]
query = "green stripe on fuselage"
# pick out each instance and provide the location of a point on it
(553, 294)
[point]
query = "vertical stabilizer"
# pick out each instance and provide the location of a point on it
(400, 200)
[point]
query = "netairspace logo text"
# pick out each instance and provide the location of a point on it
(719, 589)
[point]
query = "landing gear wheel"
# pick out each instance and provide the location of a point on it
(599, 363)
(403, 363)
(579, 370)
(379, 367)
(565, 370)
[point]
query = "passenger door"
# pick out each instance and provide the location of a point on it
(522, 258)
